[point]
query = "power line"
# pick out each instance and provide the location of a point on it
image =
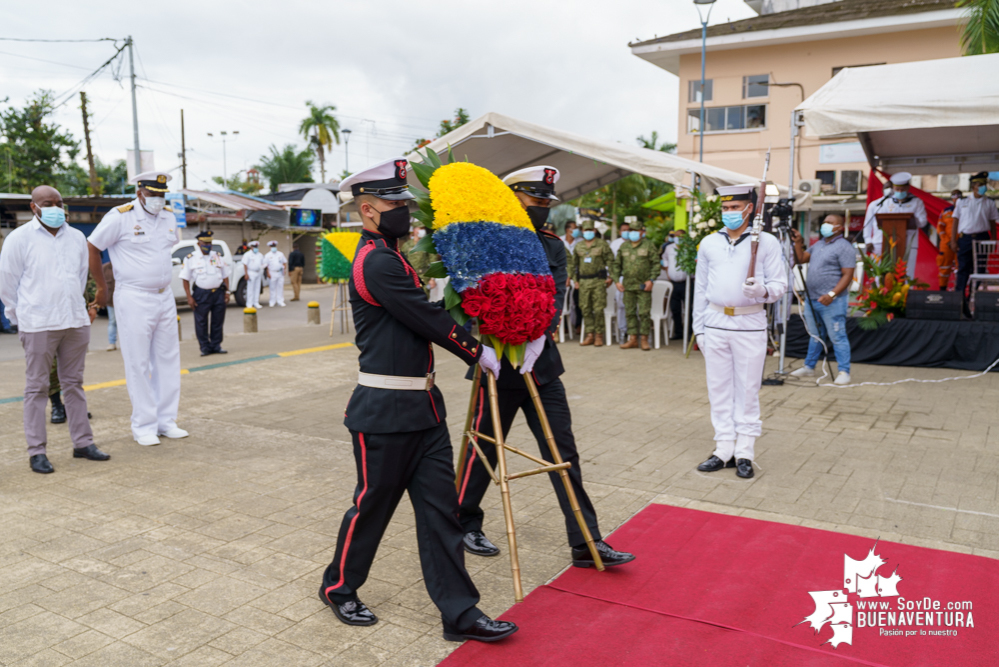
(42, 60)
(72, 91)
(19, 39)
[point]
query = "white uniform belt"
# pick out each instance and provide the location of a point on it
(737, 310)
(425, 383)
(151, 290)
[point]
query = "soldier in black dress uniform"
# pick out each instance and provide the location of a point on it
(535, 188)
(396, 419)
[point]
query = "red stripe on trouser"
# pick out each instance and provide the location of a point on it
(471, 457)
(350, 531)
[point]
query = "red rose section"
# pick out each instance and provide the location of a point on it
(515, 308)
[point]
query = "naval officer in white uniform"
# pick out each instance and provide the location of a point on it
(730, 323)
(253, 271)
(277, 268)
(140, 237)
(898, 199)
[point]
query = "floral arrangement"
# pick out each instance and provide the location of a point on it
(706, 220)
(497, 267)
(883, 299)
(337, 255)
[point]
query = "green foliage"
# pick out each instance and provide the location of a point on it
(448, 125)
(113, 178)
(238, 184)
(884, 297)
(654, 144)
(657, 227)
(436, 270)
(981, 30)
(289, 165)
(706, 220)
(334, 266)
(321, 129)
(37, 152)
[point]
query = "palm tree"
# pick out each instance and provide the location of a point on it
(981, 32)
(289, 165)
(653, 143)
(321, 129)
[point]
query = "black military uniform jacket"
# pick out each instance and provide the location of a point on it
(394, 338)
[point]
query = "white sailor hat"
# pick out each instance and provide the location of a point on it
(386, 180)
(744, 192)
(901, 178)
(253, 244)
(272, 244)
(154, 181)
(538, 181)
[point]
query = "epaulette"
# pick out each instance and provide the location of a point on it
(189, 256)
(125, 208)
(551, 234)
(168, 209)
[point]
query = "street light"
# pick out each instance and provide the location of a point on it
(704, 50)
(225, 136)
(346, 150)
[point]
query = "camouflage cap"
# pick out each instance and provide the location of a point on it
(637, 225)
(588, 224)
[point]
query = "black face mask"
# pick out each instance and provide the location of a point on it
(394, 223)
(538, 216)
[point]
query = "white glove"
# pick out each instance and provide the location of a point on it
(753, 288)
(532, 353)
(489, 362)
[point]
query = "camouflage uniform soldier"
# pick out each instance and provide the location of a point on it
(589, 264)
(637, 262)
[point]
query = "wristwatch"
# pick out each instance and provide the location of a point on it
(832, 294)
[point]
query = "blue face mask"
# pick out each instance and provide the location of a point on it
(634, 236)
(732, 219)
(826, 230)
(575, 233)
(273, 249)
(899, 195)
(588, 235)
(52, 216)
(982, 190)
(256, 250)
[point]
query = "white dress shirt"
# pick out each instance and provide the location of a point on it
(615, 244)
(973, 214)
(721, 272)
(254, 263)
(872, 232)
(43, 278)
(275, 261)
(673, 271)
(205, 271)
(140, 245)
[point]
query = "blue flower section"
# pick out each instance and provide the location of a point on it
(471, 250)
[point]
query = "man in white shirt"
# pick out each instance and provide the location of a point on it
(896, 200)
(253, 271)
(678, 298)
(43, 277)
(276, 268)
(975, 218)
(730, 324)
(140, 237)
(615, 245)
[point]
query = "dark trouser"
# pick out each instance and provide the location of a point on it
(387, 464)
(210, 303)
(966, 258)
(475, 480)
(676, 301)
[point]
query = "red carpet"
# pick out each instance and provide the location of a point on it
(711, 589)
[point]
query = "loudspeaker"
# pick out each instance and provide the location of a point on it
(987, 306)
(927, 305)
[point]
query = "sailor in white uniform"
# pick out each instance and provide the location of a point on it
(253, 271)
(140, 237)
(730, 323)
(277, 268)
(898, 199)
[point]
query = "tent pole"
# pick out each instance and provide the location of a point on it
(686, 301)
(785, 303)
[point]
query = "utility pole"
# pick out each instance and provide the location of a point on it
(183, 152)
(95, 188)
(135, 111)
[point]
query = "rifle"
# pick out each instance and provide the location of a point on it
(754, 236)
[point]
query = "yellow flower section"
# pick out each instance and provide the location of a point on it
(464, 192)
(345, 242)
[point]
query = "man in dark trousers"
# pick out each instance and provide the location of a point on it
(206, 282)
(535, 188)
(397, 422)
(296, 267)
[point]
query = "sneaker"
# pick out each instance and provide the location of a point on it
(112, 347)
(803, 372)
(842, 378)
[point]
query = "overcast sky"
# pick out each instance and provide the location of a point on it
(393, 69)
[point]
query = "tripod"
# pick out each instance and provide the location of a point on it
(500, 475)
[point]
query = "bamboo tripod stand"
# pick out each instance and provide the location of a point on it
(500, 475)
(341, 308)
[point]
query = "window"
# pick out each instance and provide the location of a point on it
(755, 86)
(827, 177)
(694, 91)
(728, 119)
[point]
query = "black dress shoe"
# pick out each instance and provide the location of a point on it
(484, 630)
(40, 463)
(714, 464)
(581, 556)
(352, 612)
(477, 544)
(58, 409)
(205, 353)
(90, 452)
(744, 468)
(221, 352)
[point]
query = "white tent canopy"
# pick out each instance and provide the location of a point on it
(928, 117)
(503, 144)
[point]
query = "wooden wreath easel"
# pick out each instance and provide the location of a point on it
(341, 307)
(500, 475)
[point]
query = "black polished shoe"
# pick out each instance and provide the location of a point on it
(58, 409)
(352, 612)
(90, 452)
(205, 353)
(220, 351)
(477, 544)
(581, 556)
(744, 468)
(714, 464)
(40, 463)
(484, 630)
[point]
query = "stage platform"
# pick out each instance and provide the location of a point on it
(963, 345)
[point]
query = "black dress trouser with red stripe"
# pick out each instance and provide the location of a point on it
(388, 464)
(476, 480)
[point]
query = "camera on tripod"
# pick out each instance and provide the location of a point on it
(782, 213)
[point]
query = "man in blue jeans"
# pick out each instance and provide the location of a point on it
(831, 265)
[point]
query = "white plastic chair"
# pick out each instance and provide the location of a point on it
(566, 320)
(661, 292)
(610, 314)
(984, 258)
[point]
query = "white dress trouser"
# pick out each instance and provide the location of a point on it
(277, 288)
(253, 290)
(733, 362)
(147, 334)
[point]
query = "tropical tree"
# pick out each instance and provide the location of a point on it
(653, 143)
(239, 184)
(981, 31)
(288, 165)
(321, 129)
(113, 177)
(34, 151)
(446, 125)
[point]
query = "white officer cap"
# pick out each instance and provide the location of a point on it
(272, 244)
(253, 244)
(743, 192)
(538, 181)
(901, 178)
(154, 181)
(386, 180)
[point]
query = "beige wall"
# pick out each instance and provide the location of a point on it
(807, 63)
